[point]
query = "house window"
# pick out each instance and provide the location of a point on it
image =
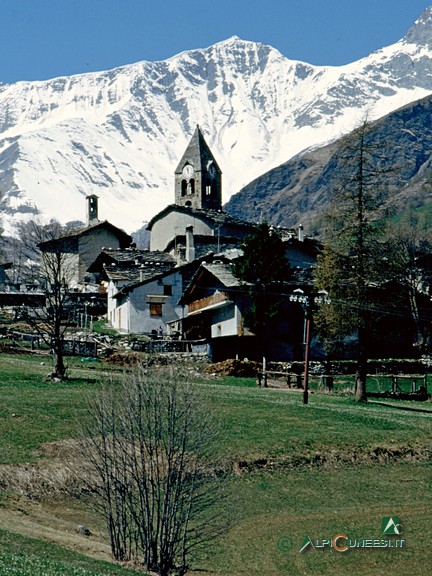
(167, 290)
(155, 309)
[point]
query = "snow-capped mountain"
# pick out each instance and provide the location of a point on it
(119, 134)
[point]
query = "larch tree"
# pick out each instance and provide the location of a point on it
(355, 258)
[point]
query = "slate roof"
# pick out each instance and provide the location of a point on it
(130, 257)
(221, 271)
(186, 270)
(206, 244)
(69, 239)
(137, 274)
(135, 265)
(218, 217)
(197, 152)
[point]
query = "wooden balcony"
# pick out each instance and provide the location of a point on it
(210, 302)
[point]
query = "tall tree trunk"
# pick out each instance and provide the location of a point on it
(361, 374)
(59, 370)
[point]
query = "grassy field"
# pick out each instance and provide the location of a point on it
(21, 556)
(323, 469)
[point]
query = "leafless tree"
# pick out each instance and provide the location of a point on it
(150, 443)
(54, 271)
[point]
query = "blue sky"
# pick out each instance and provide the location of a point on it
(42, 39)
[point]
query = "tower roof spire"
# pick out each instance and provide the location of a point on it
(198, 178)
(197, 153)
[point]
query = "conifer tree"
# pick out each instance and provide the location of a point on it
(263, 269)
(355, 259)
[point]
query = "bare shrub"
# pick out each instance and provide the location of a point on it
(149, 443)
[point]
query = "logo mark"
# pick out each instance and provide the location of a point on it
(306, 542)
(391, 525)
(285, 544)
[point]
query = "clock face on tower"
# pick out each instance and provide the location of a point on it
(188, 171)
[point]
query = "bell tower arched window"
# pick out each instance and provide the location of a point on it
(198, 177)
(191, 187)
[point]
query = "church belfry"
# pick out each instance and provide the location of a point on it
(198, 178)
(92, 209)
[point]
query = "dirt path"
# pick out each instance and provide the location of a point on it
(56, 523)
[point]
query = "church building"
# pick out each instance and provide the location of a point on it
(196, 224)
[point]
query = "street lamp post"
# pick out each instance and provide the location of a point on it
(308, 314)
(308, 304)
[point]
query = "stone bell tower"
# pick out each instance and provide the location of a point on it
(198, 178)
(92, 209)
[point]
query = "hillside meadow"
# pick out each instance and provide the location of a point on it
(331, 467)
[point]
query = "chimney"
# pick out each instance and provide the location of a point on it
(300, 235)
(190, 247)
(92, 209)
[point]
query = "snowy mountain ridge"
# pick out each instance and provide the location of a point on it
(120, 133)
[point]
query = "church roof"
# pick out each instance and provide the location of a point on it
(216, 216)
(197, 153)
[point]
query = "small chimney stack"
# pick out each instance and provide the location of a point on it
(300, 235)
(190, 245)
(92, 209)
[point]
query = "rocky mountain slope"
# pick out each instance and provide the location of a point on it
(300, 190)
(120, 133)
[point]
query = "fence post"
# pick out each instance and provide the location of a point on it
(264, 369)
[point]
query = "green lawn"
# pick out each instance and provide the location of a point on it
(34, 410)
(326, 468)
(274, 512)
(268, 423)
(21, 556)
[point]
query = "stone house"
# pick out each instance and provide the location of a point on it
(83, 245)
(150, 303)
(215, 302)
